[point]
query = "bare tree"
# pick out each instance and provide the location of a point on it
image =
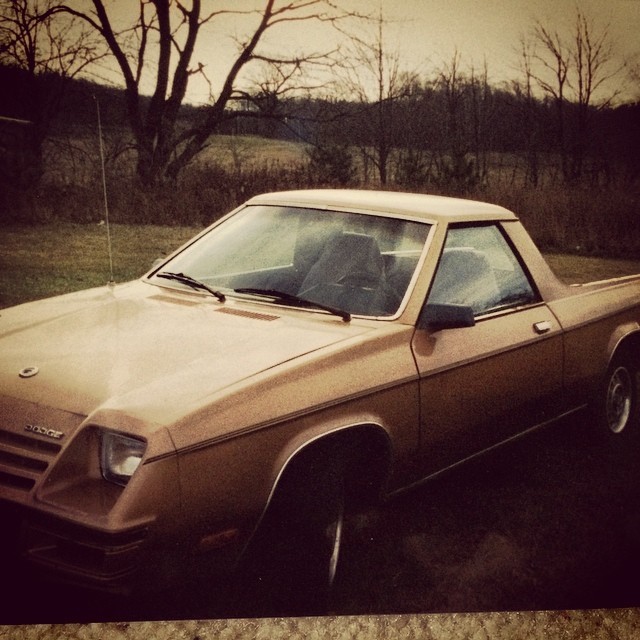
(466, 100)
(164, 37)
(452, 161)
(593, 63)
(376, 80)
(575, 71)
(554, 60)
(633, 73)
(50, 50)
(527, 106)
(480, 107)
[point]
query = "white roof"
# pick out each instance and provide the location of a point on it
(422, 206)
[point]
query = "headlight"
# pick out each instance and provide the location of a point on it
(120, 456)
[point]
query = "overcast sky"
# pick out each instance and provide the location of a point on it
(432, 29)
(426, 33)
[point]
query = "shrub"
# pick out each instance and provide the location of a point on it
(412, 170)
(331, 164)
(565, 218)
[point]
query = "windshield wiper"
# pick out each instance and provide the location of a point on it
(283, 296)
(191, 282)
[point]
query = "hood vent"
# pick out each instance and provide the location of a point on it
(248, 314)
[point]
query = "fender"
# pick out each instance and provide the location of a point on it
(288, 456)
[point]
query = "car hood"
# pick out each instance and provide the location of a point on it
(147, 351)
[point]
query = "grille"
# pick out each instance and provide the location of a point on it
(23, 459)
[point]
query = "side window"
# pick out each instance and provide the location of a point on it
(478, 269)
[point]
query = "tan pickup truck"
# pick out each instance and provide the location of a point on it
(312, 351)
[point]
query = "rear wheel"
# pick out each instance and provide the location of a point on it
(619, 402)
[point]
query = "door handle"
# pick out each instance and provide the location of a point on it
(542, 327)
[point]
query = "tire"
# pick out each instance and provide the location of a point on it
(619, 396)
(292, 563)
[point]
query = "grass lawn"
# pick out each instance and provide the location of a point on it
(578, 269)
(41, 261)
(37, 262)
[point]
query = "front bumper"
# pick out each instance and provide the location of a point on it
(50, 548)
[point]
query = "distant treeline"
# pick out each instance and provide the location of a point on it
(433, 132)
(570, 172)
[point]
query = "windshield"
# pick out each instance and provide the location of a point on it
(361, 264)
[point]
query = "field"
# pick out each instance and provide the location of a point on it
(41, 261)
(36, 262)
(595, 217)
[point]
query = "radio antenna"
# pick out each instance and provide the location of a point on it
(104, 193)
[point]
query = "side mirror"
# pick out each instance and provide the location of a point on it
(445, 316)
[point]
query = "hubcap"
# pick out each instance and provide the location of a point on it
(619, 400)
(334, 536)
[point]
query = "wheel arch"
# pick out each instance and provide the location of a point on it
(364, 450)
(617, 404)
(356, 445)
(625, 338)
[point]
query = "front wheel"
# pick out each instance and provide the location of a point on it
(619, 403)
(292, 562)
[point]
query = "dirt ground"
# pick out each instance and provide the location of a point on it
(549, 522)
